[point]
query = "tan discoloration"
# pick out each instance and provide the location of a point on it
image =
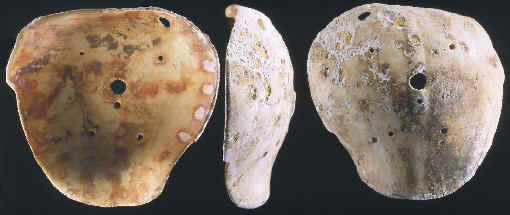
(376, 96)
(88, 148)
(163, 156)
(261, 24)
(146, 89)
(494, 61)
(176, 86)
(259, 105)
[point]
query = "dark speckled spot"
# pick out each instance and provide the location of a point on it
(129, 49)
(107, 41)
(111, 43)
(93, 40)
(94, 66)
(156, 42)
(36, 65)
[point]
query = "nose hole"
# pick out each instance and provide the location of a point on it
(418, 81)
(118, 87)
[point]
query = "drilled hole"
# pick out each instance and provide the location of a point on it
(374, 139)
(118, 87)
(160, 58)
(371, 50)
(81, 53)
(116, 105)
(418, 81)
(91, 133)
(444, 130)
(391, 133)
(164, 22)
(363, 16)
(452, 46)
(420, 101)
(139, 137)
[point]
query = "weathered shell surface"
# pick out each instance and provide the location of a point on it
(260, 101)
(406, 140)
(96, 143)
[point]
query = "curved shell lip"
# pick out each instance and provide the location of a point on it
(42, 19)
(417, 197)
(243, 203)
(227, 77)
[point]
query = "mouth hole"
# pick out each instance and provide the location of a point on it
(418, 81)
(164, 22)
(118, 87)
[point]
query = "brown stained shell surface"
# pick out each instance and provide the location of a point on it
(413, 94)
(260, 101)
(110, 99)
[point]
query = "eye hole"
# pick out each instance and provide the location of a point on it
(118, 87)
(363, 16)
(418, 81)
(164, 22)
